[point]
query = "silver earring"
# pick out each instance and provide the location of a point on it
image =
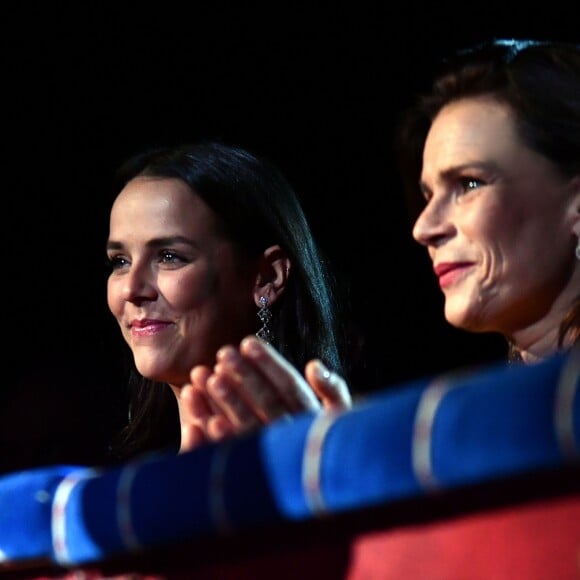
(578, 249)
(265, 316)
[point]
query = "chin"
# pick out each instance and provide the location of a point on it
(464, 319)
(149, 371)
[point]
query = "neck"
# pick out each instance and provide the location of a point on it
(558, 329)
(536, 350)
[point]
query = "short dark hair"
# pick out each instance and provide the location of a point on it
(538, 79)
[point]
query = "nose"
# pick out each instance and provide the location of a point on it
(433, 226)
(139, 284)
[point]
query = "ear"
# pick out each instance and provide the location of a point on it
(273, 274)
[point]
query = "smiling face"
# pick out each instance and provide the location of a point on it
(177, 288)
(499, 223)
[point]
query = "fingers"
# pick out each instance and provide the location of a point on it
(267, 395)
(201, 422)
(232, 393)
(279, 374)
(197, 412)
(192, 436)
(252, 386)
(331, 388)
(219, 428)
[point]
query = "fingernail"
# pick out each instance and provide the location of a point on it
(217, 388)
(251, 345)
(322, 372)
(227, 354)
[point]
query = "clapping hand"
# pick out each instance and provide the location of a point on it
(251, 386)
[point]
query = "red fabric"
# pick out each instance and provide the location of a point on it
(538, 541)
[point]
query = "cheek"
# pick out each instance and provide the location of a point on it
(489, 229)
(187, 290)
(505, 241)
(113, 298)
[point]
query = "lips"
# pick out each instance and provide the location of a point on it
(148, 327)
(449, 272)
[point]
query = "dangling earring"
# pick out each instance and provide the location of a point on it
(578, 249)
(265, 316)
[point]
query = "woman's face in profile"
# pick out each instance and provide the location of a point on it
(498, 223)
(176, 287)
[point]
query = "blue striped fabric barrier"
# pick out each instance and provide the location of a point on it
(407, 441)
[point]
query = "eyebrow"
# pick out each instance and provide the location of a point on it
(156, 242)
(455, 169)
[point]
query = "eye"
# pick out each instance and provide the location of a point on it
(471, 183)
(170, 257)
(465, 185)
(116, 262)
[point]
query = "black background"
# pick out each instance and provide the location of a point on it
(315, 87)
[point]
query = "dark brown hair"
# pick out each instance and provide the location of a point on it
(539, 80)
(256, 208)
